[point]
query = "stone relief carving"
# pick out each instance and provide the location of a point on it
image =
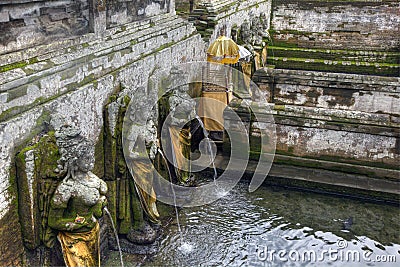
(78, 201)
(255, 32)
(29, 23)
(120, 12)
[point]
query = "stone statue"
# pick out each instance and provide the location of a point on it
(145, 135)
(78, 200)
(144, 145)
(245, 33)
(182, 111)
(255, 37)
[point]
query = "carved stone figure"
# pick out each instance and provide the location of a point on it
(78, 201)
(182, 111)
(146, 135)
(245, 32)
(144, 144)
(254, 35)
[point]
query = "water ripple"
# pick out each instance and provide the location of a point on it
(225, 232)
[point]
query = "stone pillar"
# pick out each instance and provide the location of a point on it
(98, 21)
(172, 7)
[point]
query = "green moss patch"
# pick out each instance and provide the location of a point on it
(335, 55)
(17, 65)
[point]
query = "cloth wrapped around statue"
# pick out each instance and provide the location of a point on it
(143, 184)
(78, 200)
(180, 141)
(143, 169)
(182, 110)
(81, 249)
(75, 206)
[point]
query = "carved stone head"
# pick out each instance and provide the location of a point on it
(77, 153)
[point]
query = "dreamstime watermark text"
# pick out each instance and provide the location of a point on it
(340, 253)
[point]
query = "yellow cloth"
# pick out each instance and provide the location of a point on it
(257, 60)
(246, 68)
(208, 110)
(81, 249)
(224, 51)
(144, 184)
(264, 56)
(180, 141)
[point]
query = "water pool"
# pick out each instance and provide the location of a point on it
(279, 227)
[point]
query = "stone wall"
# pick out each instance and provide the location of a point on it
(349, 92)
(185, 7)
(121, 12)
(74, 78)
(27, 23)
(336, 122)
(69, 57)
(216, 18)
(338, 24)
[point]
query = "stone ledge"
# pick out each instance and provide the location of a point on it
(346, 80)
(334, 115)
(336, 180)
(80, 69)
(97, 48)
(60, 47)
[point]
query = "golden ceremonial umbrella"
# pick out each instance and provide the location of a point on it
(223, 50)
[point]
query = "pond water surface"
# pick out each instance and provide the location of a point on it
(280, 227)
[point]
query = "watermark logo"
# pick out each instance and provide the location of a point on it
(263, 254)
(141, 125)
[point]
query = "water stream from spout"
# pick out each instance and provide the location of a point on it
(185, 247)
(173, 192)
(116, 235)
(206, 135)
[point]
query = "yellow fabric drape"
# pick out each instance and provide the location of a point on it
(81, 249)
(180, 141)
(213, 109)
(264, 56)
(223, 50)
(144, 184)
(257, 60)
(246, 68)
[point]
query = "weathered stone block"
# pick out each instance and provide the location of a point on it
(27, 194)
(52, 10)
(59, 16)
(23, 12)
(4, 16)
(348, 25)
(3, 97)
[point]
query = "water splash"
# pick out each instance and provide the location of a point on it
(220, 191)
(206, 135)
(116, 235)
(186, 248)
(173, 192)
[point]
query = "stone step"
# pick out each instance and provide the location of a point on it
(346, 55)
(101, 63)
(60, 46)
(339, 66)
(97, 47)
(376, 83)
(329, 114)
